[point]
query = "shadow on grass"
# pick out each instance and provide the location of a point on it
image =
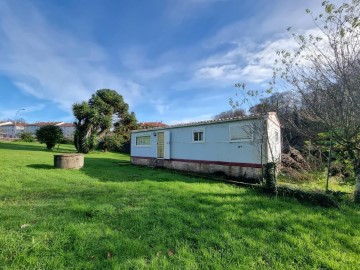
(40, 148)
(113, 170)
(40, 166)
(209, 226)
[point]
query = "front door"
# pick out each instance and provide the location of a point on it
(160, 145)
(163, 144)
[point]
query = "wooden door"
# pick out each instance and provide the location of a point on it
(160, 145)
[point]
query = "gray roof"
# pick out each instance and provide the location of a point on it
(207, 122)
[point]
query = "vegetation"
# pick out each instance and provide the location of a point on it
(27, 137)
(50, 135)
(114, 215)
(230, 114)
(321, 79)
(324, 73)
(95, 120)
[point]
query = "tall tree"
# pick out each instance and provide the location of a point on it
(230, 114)
(95, 119)
(325, 75)
(295, 129)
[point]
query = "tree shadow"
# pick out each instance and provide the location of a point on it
(40, 166)
(40, 148)
(113, 170)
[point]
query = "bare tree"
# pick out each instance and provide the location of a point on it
(230, 114)
(324, 73)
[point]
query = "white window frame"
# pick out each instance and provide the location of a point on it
(142, 145)
(241, 140)
(198, 130)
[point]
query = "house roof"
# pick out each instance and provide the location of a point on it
(37, 124)
(41, 124)
(67, 125)
(147, 125)
(5, 123)
(240, 118)
(9, 124)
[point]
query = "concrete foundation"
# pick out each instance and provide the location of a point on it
(69, 161)
(234, 171)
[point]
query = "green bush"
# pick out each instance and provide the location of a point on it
(312, 197)
(50, 135)
(67, 141)
(27, 137)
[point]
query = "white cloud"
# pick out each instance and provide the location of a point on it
(50, 64)
(244, 62)
(273, 18)
(161, 105)
(12, 113)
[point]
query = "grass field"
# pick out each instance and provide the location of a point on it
(317, 181)
(113, 215)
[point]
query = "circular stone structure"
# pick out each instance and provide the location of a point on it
(69, 161)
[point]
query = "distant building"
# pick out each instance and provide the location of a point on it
(13, 130)
(32, 128)
(68, 130)
(147, 125)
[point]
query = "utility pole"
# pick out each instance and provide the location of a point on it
(15, 120)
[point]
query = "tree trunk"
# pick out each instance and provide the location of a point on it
(270, 178)
(357, 179)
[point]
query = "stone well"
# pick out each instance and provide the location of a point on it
(69, 161)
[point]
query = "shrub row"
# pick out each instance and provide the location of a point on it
(312, 197)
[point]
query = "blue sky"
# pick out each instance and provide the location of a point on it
(172, 60)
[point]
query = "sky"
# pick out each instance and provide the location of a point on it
(173, 61)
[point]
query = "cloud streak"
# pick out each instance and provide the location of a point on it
(54, 65)
(11, 113)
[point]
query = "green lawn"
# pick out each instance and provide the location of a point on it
(113, 215)
(317, 181)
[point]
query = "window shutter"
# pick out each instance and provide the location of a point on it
(240, 133)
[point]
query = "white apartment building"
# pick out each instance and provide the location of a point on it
(13, 130)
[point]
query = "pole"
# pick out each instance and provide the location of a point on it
(329, 162)
(15, 120)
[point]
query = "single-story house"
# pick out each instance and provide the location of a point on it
(238, 147)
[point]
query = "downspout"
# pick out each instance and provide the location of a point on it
(264, 144)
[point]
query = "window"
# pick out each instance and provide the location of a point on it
(143, 140)
(198, 135)
(241, 133)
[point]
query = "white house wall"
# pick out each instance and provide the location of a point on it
(217, 145)
(149, 151)
(274, 139)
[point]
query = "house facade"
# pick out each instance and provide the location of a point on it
(237, 147)
(67, 129)
(11, 130)
(14, 130)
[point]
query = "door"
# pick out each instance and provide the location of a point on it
(160, 145)
(163, 144)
